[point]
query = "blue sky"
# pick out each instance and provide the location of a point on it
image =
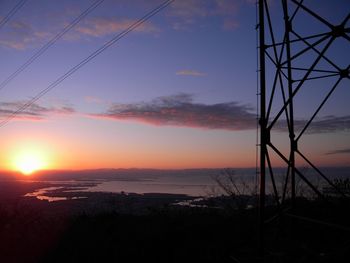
(179, 91)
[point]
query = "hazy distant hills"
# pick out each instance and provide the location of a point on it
(109, 174)
(135, 174)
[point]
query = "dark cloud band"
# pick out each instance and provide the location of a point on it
(326, 124)
(33, 112)
(340, 151)
(180, 110)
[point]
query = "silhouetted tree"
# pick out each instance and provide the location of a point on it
(238, 191)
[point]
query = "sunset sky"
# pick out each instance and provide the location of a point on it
(177, 92)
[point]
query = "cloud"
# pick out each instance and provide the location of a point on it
(226, 7)
(24, 32)
(180, 110)
(189, 8)
(33, 112)
(340, 151)
(187, 12)
(93, 99)
(190, 73)
(230, 24)
(99, 27)
(19, 35)
(327, 124)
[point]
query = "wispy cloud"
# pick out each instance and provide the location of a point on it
(230, 24)
(340, 151)
(20, 35)
(325, 124)
(190, 73)
(25, 33)
(99, 27)
(33, 112)
(180, 110)
(188, 12)
(93, 99)
(330, 124)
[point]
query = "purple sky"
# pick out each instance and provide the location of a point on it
(179, 91)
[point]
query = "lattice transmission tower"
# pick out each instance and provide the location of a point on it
(303, 60)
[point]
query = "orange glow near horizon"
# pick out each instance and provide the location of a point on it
(29, 161)
(43, 148)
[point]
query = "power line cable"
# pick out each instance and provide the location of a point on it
(13, 11)
(50, 43)
(86, 60)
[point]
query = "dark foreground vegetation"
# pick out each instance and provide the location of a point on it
(38, 231)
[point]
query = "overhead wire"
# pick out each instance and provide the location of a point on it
(13, 11)
(50, 43)
(86, 60)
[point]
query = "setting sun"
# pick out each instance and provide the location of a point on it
(28, 162)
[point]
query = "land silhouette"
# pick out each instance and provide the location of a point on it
(124, 227)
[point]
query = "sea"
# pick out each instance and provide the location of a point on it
(191, 182)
